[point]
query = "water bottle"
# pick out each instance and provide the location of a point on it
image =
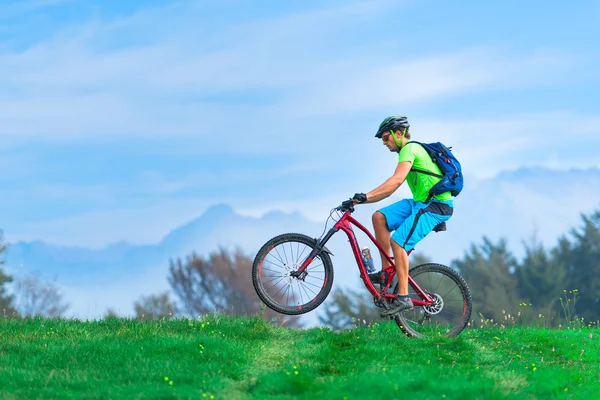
(367, 259)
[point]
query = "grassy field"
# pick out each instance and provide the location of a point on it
(217, 357)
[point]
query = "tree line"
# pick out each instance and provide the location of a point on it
(550, 283)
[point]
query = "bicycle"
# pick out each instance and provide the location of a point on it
(441, 298)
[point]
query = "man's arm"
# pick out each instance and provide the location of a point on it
(391, 184)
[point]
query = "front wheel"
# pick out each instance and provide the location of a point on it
(277, 288)
(451, 309)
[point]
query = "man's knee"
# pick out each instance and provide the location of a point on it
(379, 220)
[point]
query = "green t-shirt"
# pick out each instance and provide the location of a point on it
(420, 183)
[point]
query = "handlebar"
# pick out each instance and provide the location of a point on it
(347, 205)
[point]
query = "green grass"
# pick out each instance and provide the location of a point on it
(242, 358)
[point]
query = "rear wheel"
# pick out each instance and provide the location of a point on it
(451, 309)
(277, 288)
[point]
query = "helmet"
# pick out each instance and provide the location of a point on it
(392, 123)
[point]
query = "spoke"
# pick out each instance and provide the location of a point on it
(453, 287)
(279, 291)
(282, 294)
(287, 261)
(307, 288)
(273, 278)
(300, 257)
(285, 257)
(292, 251)
(289, 255)
(447, 321)
(312, 284)
(319, 273)
(301, 298)
(315, 266)
(278, 257)
(297, 256)
(294, 298)
(449, 312)
(287, 300)
(315, 286)
(317, 281)
(439, 283)
(276, 265)
(275, 284)
(270, 270)
(302, 287)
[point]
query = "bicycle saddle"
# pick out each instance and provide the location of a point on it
(440, 227)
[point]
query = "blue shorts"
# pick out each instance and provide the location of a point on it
(411, 221)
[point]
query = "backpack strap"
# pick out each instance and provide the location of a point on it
(421, 170)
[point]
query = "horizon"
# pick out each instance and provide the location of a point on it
(260, 213)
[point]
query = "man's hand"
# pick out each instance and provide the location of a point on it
(359, 198)
(347, 205)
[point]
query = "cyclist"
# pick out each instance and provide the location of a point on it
(410, 219)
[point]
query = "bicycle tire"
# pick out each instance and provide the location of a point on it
(299, 240)
(407, 324)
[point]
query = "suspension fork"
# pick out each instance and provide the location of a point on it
(319, 247)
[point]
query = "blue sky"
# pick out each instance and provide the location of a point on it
(121, 120)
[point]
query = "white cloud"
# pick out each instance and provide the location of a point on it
(185, 82)
(358, 85)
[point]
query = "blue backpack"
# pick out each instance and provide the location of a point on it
(452, 178)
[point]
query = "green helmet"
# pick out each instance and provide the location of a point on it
(392, 123)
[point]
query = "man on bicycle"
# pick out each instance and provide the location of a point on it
(410, 219)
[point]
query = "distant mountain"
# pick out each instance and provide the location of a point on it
(220, 225)
(512, 205)
(117, 275)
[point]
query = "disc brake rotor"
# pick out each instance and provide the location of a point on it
(437, 304)
(287, 276)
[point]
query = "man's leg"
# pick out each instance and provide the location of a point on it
(382, 234)
(389, 219)
(403, 302)
(414, 228)
(401, 261)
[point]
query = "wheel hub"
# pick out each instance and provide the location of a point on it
(287, 271)
(437, 304)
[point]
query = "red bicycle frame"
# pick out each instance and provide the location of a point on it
(345, 224)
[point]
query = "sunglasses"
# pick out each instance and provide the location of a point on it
(386, 136)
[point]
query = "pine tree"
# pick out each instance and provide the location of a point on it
(6, 301)
(540, 280)
(489, 272)
(581, 260)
